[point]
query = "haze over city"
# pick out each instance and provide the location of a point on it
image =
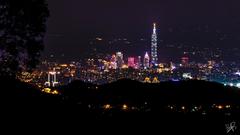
(72, 24)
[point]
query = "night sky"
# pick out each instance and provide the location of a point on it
(73, 23)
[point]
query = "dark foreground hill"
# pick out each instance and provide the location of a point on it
(16, 93)
(133, 92)
(199, 105)
(129, 92)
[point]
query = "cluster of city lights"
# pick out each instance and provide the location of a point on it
(123, 107)
(172, 108)
(50, 91)
(232, 85)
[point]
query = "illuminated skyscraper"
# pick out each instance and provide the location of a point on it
(119, 59)
(154, 46)
(185, 61)
(113, 63)
(146, 61)
(131, 62)
(139, 62)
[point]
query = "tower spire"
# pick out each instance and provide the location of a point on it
(154, 28)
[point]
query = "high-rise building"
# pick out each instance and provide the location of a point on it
(131, 62)
(90, 62)
(113, 63)
(139, 62)
(184, 61)
(119, 59)
(146, 61)
(154, 46)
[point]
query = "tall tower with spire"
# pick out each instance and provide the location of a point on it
(154, 46)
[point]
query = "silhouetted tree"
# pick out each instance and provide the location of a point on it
(22, 30)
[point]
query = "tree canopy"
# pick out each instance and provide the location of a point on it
(22, 30)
